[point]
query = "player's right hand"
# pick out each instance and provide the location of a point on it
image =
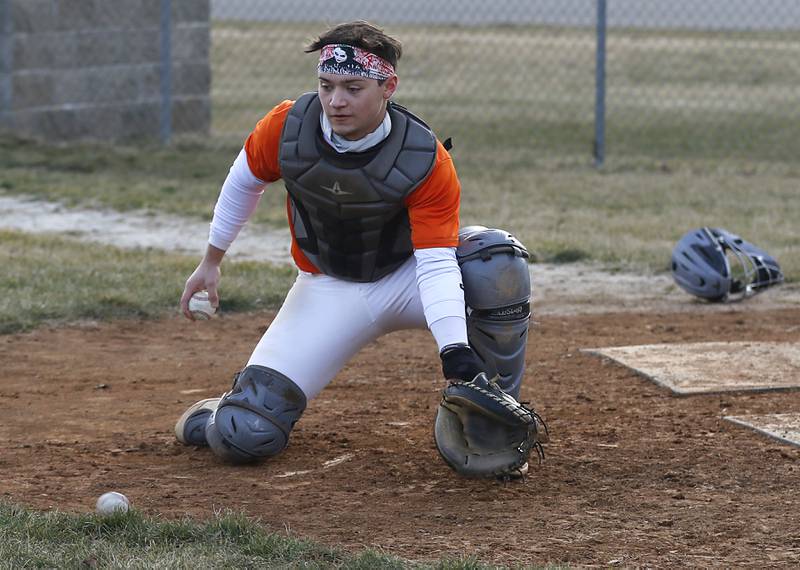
(205, 278)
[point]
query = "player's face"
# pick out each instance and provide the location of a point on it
(355, 106)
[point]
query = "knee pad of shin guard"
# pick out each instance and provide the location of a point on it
(255, 418)
(497, 292)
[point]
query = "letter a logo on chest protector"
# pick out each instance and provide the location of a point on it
(343, 186)
(336, 189)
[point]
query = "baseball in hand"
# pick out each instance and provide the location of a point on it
(200, 306)
(112, 502)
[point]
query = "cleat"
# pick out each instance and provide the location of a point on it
(191, 426)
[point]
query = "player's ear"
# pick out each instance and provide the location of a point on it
(389, 87)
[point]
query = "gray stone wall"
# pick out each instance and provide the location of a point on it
(96, 69)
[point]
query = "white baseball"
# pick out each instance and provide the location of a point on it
(112, 502)
(201, 307)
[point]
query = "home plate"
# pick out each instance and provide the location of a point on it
(710, 367)
(783, 427)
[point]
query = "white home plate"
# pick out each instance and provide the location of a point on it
(708, 367)
(783, 427)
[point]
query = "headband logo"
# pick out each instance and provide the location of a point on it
(339, 54)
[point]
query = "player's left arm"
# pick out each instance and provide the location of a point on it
(434, 215)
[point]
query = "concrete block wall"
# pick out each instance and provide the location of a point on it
(97, 69)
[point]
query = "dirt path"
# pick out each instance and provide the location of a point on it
(137, 229)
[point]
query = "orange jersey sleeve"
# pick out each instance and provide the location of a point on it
(263, 144)
(433, 206)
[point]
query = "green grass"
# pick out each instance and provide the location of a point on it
(48, 279)
(520, 112)
(183, 179)
(630, 214)
(32, 539)
(634, 217)
(703, 129)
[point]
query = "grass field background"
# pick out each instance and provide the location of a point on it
(703, 129)
(531, 90)
(631, 217)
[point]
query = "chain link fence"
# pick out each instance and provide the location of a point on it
(683, 79)
(508, 80)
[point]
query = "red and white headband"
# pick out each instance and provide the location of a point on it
(343, 59)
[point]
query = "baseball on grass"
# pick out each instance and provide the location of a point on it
(201, 307)
(112, 502)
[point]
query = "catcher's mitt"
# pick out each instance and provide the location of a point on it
(480, 431)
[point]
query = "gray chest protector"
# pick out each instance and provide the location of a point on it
(347, 209)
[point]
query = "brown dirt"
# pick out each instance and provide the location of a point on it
(633, 475)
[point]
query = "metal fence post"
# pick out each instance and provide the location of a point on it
(6, 62)
(600, 87)
(166, 71)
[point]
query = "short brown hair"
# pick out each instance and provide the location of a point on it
(360, 34)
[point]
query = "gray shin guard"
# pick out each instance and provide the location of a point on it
(255, 418)
(497, 291)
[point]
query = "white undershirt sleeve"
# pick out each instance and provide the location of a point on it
(442, 294)
(237, 201)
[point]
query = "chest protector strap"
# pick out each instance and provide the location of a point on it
(347, 210)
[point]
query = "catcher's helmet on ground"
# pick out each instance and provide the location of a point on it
(701, 265)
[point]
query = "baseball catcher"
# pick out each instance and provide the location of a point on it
(373, 206)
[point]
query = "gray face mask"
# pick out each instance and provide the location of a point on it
(717, 265)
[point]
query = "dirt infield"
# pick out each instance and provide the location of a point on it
(633, 476)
